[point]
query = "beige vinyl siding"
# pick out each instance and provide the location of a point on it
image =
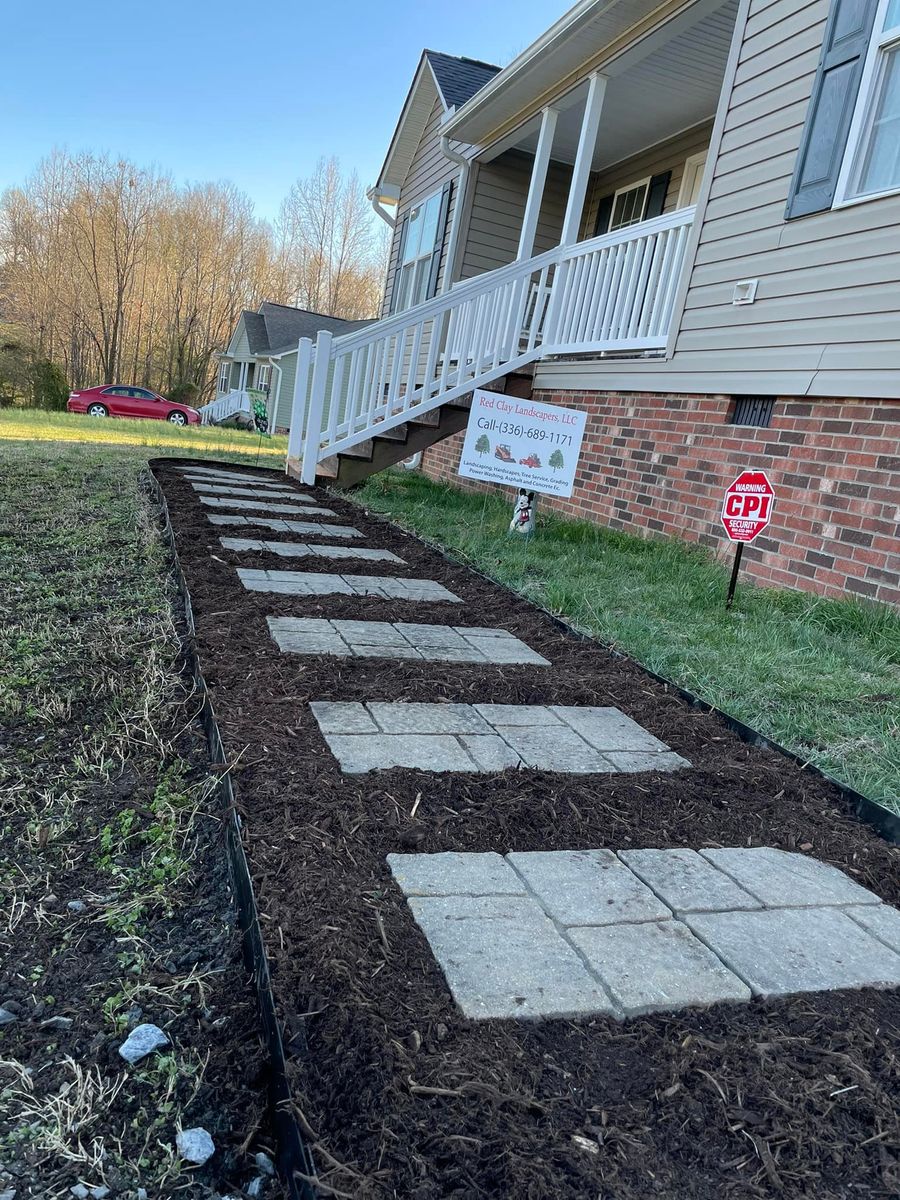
(667, 156)
(826, 321)
(501, 188)
(828, 283)
(499, 192)
(429, 170)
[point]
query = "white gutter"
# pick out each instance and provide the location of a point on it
(461, 183)
(559, 32)
(375, 199)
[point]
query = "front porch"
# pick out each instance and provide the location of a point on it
(572, 241)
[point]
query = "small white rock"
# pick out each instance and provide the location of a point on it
(195, 1145)
(76, 906)
(142, 1040)
(79, 1191)
(264, 1164)
(100, 1193)
(7, 1018)
(255, 1187)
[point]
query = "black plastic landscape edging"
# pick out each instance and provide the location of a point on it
(883, 820)
(293, 1157)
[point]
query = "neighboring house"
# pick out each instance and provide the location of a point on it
(681, 217)
(262, 354)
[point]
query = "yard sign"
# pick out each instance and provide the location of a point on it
(746, 511)
(522, 444)
(747, 507)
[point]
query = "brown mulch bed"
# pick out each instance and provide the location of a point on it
(401, 1096)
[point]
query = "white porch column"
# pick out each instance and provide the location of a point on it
(299, 402)
(242, 378)
(536, 186)
(587, 140)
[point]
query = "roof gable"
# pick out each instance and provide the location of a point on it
(438, 76)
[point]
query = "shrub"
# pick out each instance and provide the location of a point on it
(49, 388)
(185, 392)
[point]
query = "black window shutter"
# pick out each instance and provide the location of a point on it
(604, 215)
(656, 195)
(834, 92)
(435, 267)
(398, 269)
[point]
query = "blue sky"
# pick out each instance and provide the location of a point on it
(249, 92)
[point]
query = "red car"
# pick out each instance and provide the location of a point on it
(117, 400)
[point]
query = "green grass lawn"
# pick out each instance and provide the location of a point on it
(820, 676)
(91, 695)
(157, 437)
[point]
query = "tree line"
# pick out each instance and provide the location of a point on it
(112, 273)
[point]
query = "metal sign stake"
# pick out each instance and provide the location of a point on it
(734, 574)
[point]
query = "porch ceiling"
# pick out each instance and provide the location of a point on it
(666, 83)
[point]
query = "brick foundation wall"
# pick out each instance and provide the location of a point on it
(658, 464)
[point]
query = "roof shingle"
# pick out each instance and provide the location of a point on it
(459, 78)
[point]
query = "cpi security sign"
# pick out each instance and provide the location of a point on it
(522, 444)
(747, 507)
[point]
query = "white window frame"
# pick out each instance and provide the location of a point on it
(882, 43)
(692, 174)
(263, 376)
(630, 187)
(224, 378)
(408, 270)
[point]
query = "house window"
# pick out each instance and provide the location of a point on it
(872, 161)
(263, 375)
(753, 410)
(224, 377)
(418, 249)
(628, 205)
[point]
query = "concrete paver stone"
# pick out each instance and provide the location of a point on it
(780, 951)
(451, 873)
(503, 957)
(266, 507)
(556, 748)
(686, 881)
(489, 752)
(517, 714)
(427, 718)
(587, 887)
(310, 528)
(881, 921)
(783, 880)
(342, 716)
(607, 728)
(429, 752)
(653, 967)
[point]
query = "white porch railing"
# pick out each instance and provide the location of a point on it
(613, 292)
(226, 408)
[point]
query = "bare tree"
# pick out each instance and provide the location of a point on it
(328, 253)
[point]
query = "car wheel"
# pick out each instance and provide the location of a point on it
(176, 418)
(97, 410)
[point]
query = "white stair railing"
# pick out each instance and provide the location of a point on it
(614, 292)
(225, 408)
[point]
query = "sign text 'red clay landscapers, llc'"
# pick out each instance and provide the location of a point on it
(523, 444)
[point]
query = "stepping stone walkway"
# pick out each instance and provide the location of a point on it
(250, 493)
(311, 583)
(305, 508)
(577, 932)
(488, 737)
(310, 528)
(381, 639)
(221, 473)
(299, 550)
